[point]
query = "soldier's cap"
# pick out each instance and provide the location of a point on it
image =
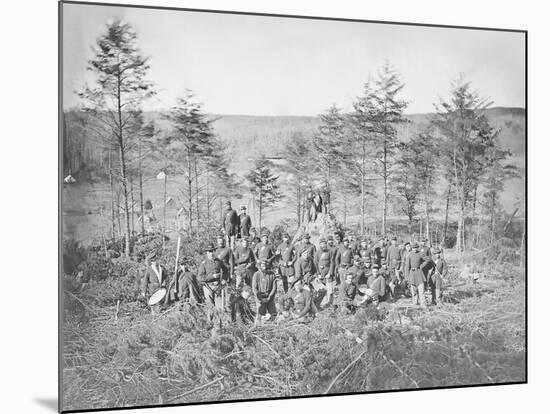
(286, 236)
(323, 240)
(263, 262)
(307, 236)
(356, 257)
(330, 238)
(375, 266)
(246, 239)
(436, 250)
(364, 240)
(394, 238)
(152, 255)
(220, 237)
(367, 260)
(382, 261)
(345, 239)
(415, 245)
(243, 207)
(209, 248)
(425, 240)
(265, 234)
(350, 273)
(228, 203)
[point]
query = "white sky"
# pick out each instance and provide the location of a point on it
(285, 66)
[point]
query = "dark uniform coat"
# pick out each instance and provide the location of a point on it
(304, 269)
(264, 251)
(210, 271)
(415, 263)
(245, 222)
(231, 222)
(393, 258)
(323, 262)
(188, 287)
(287, 258)
(150, 281)
(226, 256)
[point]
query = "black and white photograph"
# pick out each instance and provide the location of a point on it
(259, 207)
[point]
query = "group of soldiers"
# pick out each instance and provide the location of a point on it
(340, 273)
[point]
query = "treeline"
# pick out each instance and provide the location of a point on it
(360, 158)
(111, 114)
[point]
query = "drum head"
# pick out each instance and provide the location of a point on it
(157, 297)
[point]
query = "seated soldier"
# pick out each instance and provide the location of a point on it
(241, 312)
(297, 303)
(349, 293)
(188, 286)
(376, 287)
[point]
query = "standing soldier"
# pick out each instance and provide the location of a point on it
(323, 262)
(245, 223)
(312, 211)
(230, 224)
(393, 259)
(287, 257)
(308, 246)
(364, 250)
(245, 262)
(353, 245)
(253, 239)
(153, 279)
(358, 270)
(264, 288)
(414, 265)
(225, 254)
(326, 198)
(264, 251)
(425, 248)
(344, 260)
(439, 272)
(210, 275)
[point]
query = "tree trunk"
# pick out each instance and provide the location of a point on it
(385, 187)
(298, 202)
(123, 177)
(446, 216)
(140, 173)
(132, 204)
(164, 213)
(113, 221)
(190, 190)
(197, 210)
(427, 212)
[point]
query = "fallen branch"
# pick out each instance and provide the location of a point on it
(343, 371)
(195, 389)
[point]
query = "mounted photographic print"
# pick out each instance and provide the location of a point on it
(263, 206)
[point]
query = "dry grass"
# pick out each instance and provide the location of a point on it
(182, 355)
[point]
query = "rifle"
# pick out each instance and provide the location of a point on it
(174, 284)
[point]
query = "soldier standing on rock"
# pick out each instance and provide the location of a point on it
(245, 262)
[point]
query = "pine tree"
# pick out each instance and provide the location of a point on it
(120, 86)
(468, 137)
(264, 186)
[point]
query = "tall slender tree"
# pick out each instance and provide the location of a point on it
(468, 137)
(119, 89)
(264, 186)
(390, 112)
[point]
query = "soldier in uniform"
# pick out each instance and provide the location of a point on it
(350, 291)
(297, 303)
(188, 286)
(344, 260)
(253, 240)
(224, 254)
(245, 223)
(358, 270)
(393, 259)
(325, 269)
(308, 246)
(414, 265)
(264, 250)
(153, 279)
(425, 248)
(364, 250)
(230, 224)
(210, 275)
(240, 308)
(264, 287)
(376, 287)
(304, 268)
(245, 262)
(287, 257)
(439, 272)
